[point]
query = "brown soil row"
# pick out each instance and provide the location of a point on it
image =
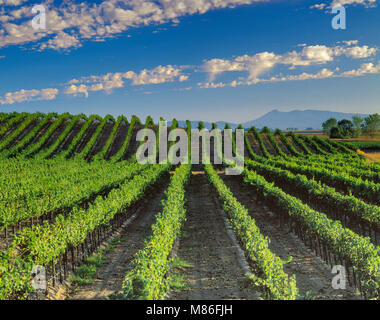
(110, 275)
(215, 272)
(313, 274)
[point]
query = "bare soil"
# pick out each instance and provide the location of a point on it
(70, 137)
(215, 272)
(312, 273)
(40, 133)
(55, 135)
(295, 145)
(268, 145)
(133, 144)
(102, 139)
(110, 275)
(86, 137)
(23, 134)
(117, 143)
(254, 144)
(282, 146)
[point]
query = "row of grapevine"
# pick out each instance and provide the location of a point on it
(78, 138)
(274, 143)
(29, 137)
(33, 148)
(90, 144)
(313, 144)
(120, 154)
(323, 142)
(46, 153)
(268, 268)
(11, 122)
(147, 280)
(50, 245)
(334, 243)
(15, 133)
(363, 173)
(287, 143)
(53, 187)
(102, 154)
(260, 141)
(300, 143)
(342, 181)
(321, 196)
(342, 161)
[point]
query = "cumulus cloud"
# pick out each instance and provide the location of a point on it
(110, 81)
(319, 6)
(365, 68)
(365, 3)
(11, 2)
(263, 62)
(71, 23)
(61, 41)
(29, 95)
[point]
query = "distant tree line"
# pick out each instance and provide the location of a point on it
(354, 128)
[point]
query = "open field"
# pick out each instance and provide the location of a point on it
(75, 201)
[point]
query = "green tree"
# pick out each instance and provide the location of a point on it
(265, 130)
(336, 133)
(344, 130)
(329, 124)
(357, 121)
(371, 124)
(347, 128)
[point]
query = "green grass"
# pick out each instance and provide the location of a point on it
(85, 274)
(178, 281)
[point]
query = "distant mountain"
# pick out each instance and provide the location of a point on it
(296, 120)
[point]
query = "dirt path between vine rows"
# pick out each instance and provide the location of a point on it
(214, 272)
(312, 273)
(110, 275)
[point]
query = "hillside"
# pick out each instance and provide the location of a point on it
(297, 119)
(283, 120)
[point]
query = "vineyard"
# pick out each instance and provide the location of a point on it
(71, 189)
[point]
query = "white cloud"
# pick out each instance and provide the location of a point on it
(11, 2)
(71, 23)
(61, 41)
(323, 74)
(110, 81)
(356, 52)
(320, 6)
(263, 62)
(365, 68)
(75, 90)
(29, 95)
(365, 3)
(351, 42)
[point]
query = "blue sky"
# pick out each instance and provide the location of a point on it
(231, 60)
